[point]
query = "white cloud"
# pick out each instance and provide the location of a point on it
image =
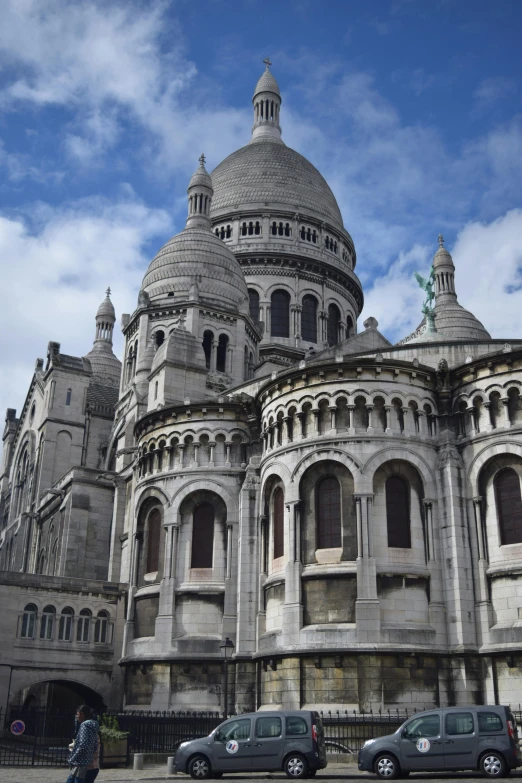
(488, 280)
(490, 91)
(58, 263)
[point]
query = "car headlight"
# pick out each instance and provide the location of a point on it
(183, 745)
(368, 742)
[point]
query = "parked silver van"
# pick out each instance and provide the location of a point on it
(257, 742)
(451, 738)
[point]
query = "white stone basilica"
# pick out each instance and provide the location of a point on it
(347, 511)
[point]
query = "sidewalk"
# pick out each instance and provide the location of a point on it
(153, 773)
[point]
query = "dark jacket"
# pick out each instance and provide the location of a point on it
(85, 744)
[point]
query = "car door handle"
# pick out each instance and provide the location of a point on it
(449, 742)
(258, 745)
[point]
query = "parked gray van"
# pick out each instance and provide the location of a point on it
(257, 742)
(451, 738)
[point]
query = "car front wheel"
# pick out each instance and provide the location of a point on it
(296, 766)
(199, 768)
(492, 765)
(386, 767)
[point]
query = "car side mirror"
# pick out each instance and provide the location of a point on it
(405, 734)
(218, 737)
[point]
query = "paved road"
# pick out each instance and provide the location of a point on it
(335, 772)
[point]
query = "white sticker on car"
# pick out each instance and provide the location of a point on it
(423, 745)
(232, 746)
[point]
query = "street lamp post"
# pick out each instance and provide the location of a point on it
(227, 648)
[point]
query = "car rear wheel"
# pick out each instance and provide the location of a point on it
(296, 766)
(386, 767)
(199, 768)
(492, 765)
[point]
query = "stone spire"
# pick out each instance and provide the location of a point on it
(444, 270)
(200, 194)
(105, 320)
(105, 366)
(267, 103)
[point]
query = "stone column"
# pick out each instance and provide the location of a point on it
(421, 423)
(405, 419)
(213, 355)
(211, 448)
(387, 415)
(181, 449)
(472, 422)
(367, 608)
(506, 421)
(196, 454)
(483, 608)
(292, 608)
(228, 444)
(228, 573)
(430, 543)
(369, 429)
(333, 416)
(479, 526)
(316, 412)
(286, 429)
(489, 422)
(170, 457)
(300, 418)
(351, 428)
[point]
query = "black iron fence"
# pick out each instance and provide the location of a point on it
(47, 733)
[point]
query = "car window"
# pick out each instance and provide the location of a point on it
(459, 723)
(268, 727)
(489, 721)
(296, 726)
(235, 729)
(425, 726)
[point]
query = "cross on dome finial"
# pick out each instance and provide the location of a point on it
(441, 240)
(202, 160)
(108, 292)
(267, 62)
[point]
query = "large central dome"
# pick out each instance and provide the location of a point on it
(267, 172)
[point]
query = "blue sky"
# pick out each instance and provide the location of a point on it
(411, 109)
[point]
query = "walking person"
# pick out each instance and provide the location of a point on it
(84, 746)
(94, 767)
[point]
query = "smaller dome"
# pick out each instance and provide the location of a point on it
(201, 177)
(267, 83)
(106, 309)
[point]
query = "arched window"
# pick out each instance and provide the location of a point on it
(279, 522)
(153, 540)
(65, 624)
(309, 319)
(208, 339)
(280, 314)
(349, 326)
(203, 537)
(28, 622)
(68, 397)
(509, 506)
(84, 626)
(328, 513)
(334, 318)
(274, 229)
(100, 628)
(159, 337)
(221, 358)
(253, 302)
(398, 512)
(47, 622)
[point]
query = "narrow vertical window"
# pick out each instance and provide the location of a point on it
(153, 540)
(28, 622)
(65, 624)
(398, 512)
(84, 626)
(253, 301)
(100, 628)
(202, 537)
(280, 321)
(334, 319)
(309, 319)
(328, 513)
(509, 506)
(47, 623)
(279, 522)
(208, 339)
(221, 358)
(68, 397)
